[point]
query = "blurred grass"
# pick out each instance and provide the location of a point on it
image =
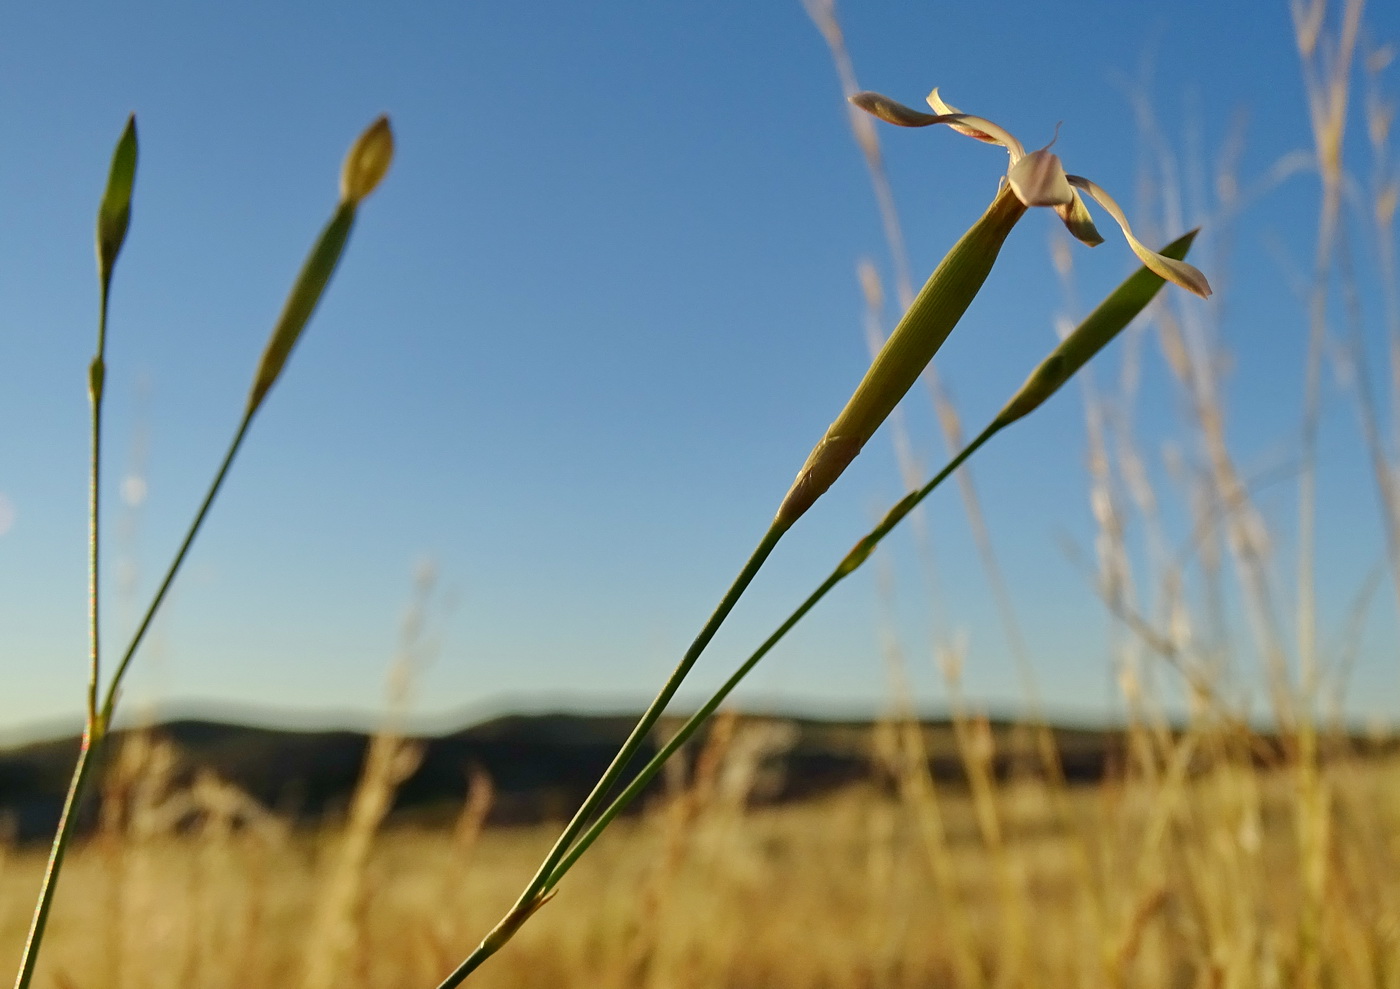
(1156, 877)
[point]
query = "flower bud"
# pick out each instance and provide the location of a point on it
(114, 213)
(367, 162)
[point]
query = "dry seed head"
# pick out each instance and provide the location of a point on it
(1063, 261)
(870, 286)
(1385, 205)
(1129, 684)
(950, 657)
(367, 162)
(1379, 59)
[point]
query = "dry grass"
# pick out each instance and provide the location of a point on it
(1162, 878)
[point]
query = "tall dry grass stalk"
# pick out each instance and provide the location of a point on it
(390, 758)
(1229, 524)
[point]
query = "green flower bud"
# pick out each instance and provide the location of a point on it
(367, 162)
(114, 213)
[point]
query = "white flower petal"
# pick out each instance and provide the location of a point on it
(977, 127)
(1177, 272)
(1038, 179)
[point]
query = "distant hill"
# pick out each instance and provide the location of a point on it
(541, 766)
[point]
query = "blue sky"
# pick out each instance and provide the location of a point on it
(587, 331)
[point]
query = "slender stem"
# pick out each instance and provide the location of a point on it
(94, 664)
(96, 380)
(843, 570)
(87, 755)
(94, 478)
(683, 735)
(95, 735)
(94, 729)
(531, 899)
(110, 700)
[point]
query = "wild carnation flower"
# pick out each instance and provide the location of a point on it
(1038, 179)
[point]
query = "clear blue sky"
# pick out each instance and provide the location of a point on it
(587, 331)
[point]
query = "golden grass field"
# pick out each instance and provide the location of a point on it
(1197, 867)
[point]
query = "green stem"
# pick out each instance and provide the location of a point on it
(848, 565)
(95, 736)
(110, 700)
(93, 728)
(1105, 322)
(87, 755)
(533, 896)
(683, 735)
(1090, 337)
(94, 477)
(97, 373)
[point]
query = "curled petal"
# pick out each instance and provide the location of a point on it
(1078, 221)
(978, 128)
(1177, 272)
(1038, 179)
(894, 112)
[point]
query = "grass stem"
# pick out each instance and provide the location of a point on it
(536, 892)
(844, 569)
(99, 720)
(1090, 337)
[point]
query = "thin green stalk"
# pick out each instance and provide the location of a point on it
(920, 333)
(96, 374)
(39, 922)
(1076, 350)
(565, 851)
(113, 220)
(849, 565)
(110, 699)
(96, 735)
(536, 890)
(364, 168)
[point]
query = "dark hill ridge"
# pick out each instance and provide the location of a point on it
(541, 766)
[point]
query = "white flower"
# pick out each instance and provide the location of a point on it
(1038, 179)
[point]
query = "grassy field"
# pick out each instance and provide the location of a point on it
(1198, 867)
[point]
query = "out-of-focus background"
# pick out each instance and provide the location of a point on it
(1116, 710)
(592, 323)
